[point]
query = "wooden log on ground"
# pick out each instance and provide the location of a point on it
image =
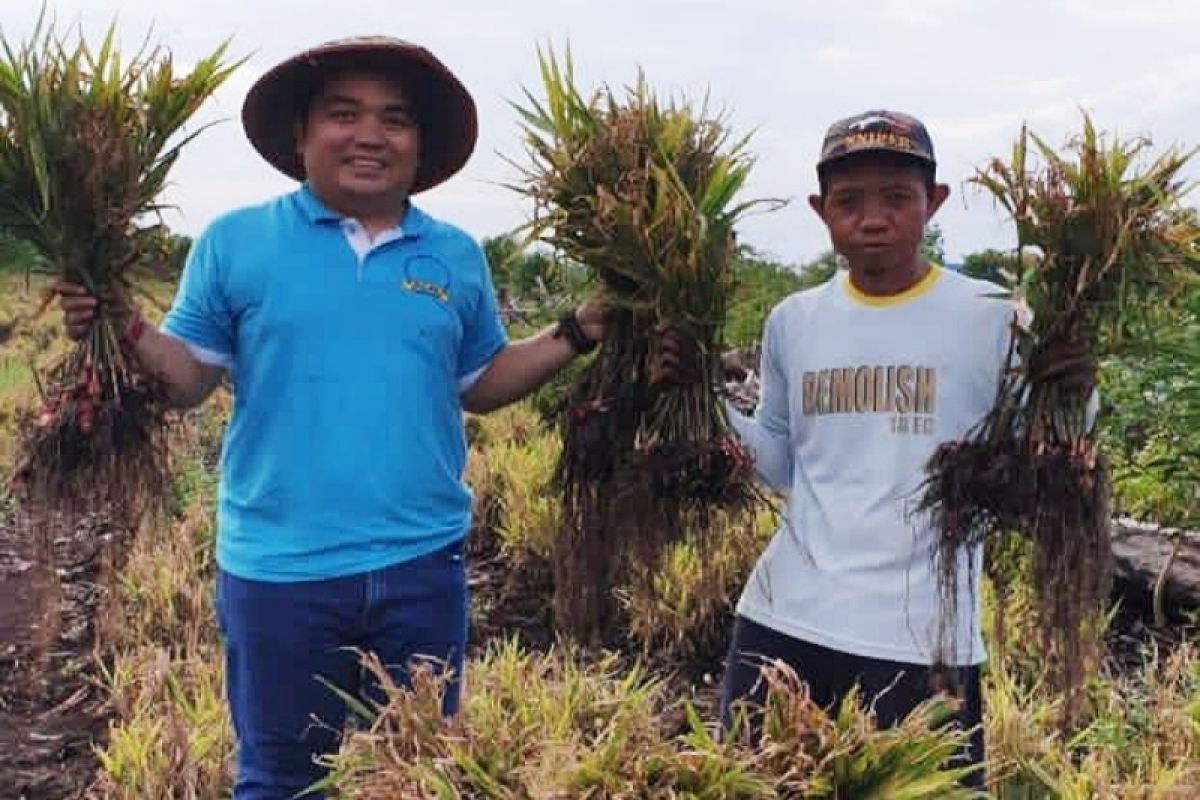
(1140, 553)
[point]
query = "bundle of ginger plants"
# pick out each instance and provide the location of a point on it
(643, 193)
(87, 140)
(1102, 233)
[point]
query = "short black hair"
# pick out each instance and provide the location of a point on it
(830, 169)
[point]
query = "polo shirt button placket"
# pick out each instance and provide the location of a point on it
(359, 243)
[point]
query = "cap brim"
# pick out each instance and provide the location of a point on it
(449, 126)
(915, 155)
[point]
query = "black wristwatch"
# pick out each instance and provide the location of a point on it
(569, 328)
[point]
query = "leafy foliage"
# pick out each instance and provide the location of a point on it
(933, 244)
(1153, 383)
(87, 139)
(991, 265)
(760, 284)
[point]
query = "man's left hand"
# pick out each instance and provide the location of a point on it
(592, 315)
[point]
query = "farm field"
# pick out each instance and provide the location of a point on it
(112, 678)
(616, 514)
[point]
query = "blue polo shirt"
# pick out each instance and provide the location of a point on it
(345, 449)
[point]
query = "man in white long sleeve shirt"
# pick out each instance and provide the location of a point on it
(862, 378)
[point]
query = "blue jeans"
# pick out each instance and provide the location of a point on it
(279, 637)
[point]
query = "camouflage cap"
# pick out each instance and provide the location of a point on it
(879, 130)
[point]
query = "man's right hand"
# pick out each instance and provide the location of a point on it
(78, 307)
(674, 360)
(188, 382)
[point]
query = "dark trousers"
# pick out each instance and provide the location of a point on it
(281, 637)
(894, 687)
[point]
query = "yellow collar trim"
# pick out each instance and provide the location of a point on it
(882, 301)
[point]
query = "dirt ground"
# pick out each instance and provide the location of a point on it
(51, 711)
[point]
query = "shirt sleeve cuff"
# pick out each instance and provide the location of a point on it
(203, 354)
(470, 379)
(772, 453)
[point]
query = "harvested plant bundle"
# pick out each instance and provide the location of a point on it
(642, 193)
(1108, 235)
(86, 142)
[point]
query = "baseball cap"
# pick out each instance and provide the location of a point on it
(879, 130)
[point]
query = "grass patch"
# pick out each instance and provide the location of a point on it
(552, 725)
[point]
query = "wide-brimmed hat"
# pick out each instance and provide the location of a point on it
(444, 107)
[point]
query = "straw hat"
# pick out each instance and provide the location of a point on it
(445, 110)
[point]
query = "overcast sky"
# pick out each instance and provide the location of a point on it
(974, 70)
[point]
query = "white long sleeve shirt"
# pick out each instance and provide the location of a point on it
(857, 393)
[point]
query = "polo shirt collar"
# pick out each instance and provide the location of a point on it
(414, 223)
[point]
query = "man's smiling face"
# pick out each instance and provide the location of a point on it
(360, 142)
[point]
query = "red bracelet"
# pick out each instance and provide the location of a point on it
(134, 329)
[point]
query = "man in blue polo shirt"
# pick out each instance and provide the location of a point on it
(356, 329)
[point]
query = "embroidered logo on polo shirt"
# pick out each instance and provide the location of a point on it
(426, 274)
(424, 287)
